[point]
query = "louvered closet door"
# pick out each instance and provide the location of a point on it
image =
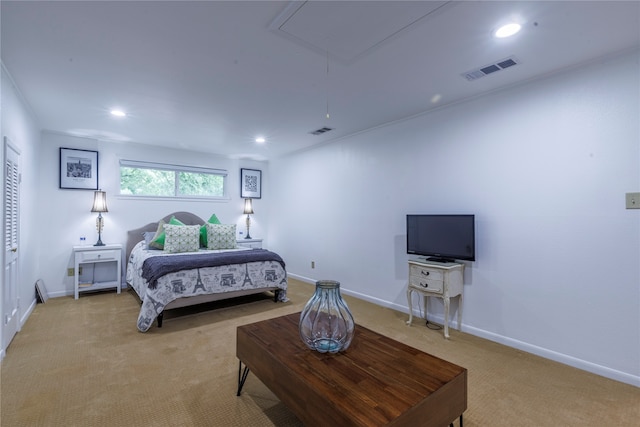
(10, 298)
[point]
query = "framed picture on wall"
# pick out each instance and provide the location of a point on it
(78, 169)
(250, 184)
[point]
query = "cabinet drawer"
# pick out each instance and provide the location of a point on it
(421, 273)
(92, 256)
(435, 286)
(249, 243)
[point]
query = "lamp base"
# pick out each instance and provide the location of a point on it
(248, 236)
(99, 228)
(99, 242)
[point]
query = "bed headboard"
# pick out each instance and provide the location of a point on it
(134, 236)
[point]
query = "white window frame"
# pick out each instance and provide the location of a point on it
(176, 169)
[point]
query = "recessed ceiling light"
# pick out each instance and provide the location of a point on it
(260, 140)
(118, 113)
(507, 30)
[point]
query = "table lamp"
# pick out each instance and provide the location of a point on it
(248, 210)
(99, 205)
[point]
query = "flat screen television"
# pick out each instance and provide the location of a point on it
(442, 238)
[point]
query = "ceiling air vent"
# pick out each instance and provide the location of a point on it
(320, 131)
(491, 68)
(506, 63)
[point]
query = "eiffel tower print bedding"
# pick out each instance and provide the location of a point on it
(255, 271)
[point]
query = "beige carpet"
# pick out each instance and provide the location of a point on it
(83, 363)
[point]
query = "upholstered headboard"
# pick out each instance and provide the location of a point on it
(135, 236)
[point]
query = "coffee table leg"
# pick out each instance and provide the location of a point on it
(242, 377)
(451, 425)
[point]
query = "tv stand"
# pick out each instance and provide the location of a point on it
(431, 279)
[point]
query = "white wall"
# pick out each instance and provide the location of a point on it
(20, 126)
(543, 166)
(67, 212)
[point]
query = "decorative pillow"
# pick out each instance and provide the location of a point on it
(221, 236)
(181, 238)
(148, 237)
(159, 231)
(158, 240)
(203, 230)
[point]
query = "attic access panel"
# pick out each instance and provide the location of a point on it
(349, 29)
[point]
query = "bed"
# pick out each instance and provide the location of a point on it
(163, 280)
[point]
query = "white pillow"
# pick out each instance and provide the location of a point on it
(181, 238)
(221, 236)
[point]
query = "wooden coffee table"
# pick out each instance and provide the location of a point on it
(377, 381)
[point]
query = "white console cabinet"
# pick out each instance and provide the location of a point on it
(440, 280)
(96, 268)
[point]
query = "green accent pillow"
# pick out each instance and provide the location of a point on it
(159, 230)
(221, 236)
(203, 230)
(158, 241)
(181, 238)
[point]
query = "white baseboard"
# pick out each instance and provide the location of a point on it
(70, 293)
(553, 355)
(58, 294)
(584, 365)
(301, 278)
(28, 312)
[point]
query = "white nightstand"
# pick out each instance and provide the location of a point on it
(436, 280)
(96, 268)
(250, 243)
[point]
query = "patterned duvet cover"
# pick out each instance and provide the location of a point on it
(198, 281)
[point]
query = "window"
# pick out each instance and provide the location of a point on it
(163, 180)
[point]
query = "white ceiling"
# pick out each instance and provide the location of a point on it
(210, 76)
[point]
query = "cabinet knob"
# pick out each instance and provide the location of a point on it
(424, 273)
(424, 285)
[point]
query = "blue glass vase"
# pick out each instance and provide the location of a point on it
(326, 324)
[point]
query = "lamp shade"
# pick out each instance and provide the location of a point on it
(248, 207)
(99, 201)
